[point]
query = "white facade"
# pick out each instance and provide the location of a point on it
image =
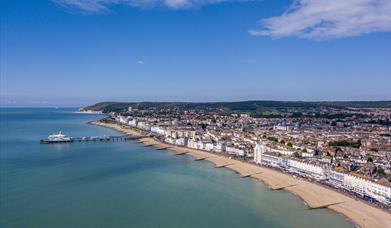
(133, 123)
(307, 155)
(235, 151)
(271, 160)
(200, 145)
(284, 152)
(314, 171)
(191, 143)
(144, 126)
(281, 127)
(195, 144)
(169, 140)
(158, 130)
(208, 146)
(259, 149)
(365, 187)
(336, 178)
(179, 142)
(218, 147)
(241, 152)
(123, 119)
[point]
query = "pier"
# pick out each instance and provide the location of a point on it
(104, 138)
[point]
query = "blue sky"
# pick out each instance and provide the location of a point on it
(77, 52)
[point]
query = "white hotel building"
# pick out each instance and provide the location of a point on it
(259, 150)
(261, 158)
(158, 130)
(306, 169)
(294, 166)
(365, 187)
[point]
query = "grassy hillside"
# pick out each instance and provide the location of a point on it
(251, 107)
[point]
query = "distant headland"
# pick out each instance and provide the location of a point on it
(256, 108)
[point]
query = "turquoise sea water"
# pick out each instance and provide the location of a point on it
(123, 184)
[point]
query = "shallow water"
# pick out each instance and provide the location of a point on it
(124, 184)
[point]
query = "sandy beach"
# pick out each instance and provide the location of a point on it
(314, 195)
(117, 128)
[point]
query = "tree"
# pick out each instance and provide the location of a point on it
(354, 144)
(380, 170)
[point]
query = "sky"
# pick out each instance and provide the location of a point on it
(78, 52)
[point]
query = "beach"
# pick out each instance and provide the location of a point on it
(117, 128)
(314, 195)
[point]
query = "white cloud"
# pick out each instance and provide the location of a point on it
(310, 19)
(94, 6)
(140, 62)
(97, 6)
(327, 19)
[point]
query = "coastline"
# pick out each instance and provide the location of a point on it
(313, 195)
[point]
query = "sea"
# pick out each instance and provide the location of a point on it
(124, 184)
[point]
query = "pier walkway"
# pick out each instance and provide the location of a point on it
(104, 138)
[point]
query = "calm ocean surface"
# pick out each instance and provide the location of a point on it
(123, 184)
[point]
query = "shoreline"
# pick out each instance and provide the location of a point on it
(313, 195)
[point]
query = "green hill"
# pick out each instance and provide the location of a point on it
(251, 107)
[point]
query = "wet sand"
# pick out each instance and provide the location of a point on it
(314, 195)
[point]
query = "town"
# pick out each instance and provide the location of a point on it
(348, 149)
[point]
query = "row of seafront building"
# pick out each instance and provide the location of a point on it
(347, 182)
(264, 155)
(185, 136)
